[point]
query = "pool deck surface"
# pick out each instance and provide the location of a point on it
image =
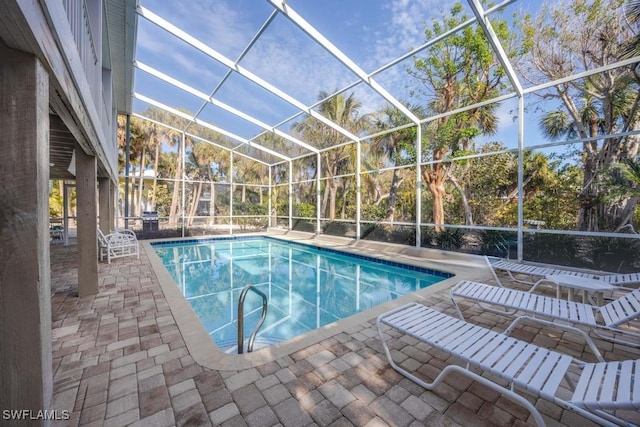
(131, 356)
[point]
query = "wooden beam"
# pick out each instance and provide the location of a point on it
(44, 31)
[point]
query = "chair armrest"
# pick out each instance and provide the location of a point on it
(129, 234)
(120, 238)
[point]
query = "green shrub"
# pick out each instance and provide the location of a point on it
(336, 228)
(403, 235)
(372, 212)
(303, 225)
(249, 208)
(450, 239)
(375, 231)
(561, 249)
(428, 237)
(282, 209)
(305, 210)
(496, 242)
(614, 254)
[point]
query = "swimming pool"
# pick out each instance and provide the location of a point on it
(307, 287)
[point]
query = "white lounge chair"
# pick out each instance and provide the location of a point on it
(602, 386)
(534, 275)
(557, 312)
(118, 244)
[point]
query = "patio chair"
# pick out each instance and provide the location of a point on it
(118, 244)
(557, 312)
(535, 275)
(56, 232)
(601, 386)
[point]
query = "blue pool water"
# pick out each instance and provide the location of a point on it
(307, 287)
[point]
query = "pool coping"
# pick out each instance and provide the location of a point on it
(205, 352)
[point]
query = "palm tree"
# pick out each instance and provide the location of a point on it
(632, 171)
(370, 182)
(594, 119)
(201, 158)
(280, 145)
(594, 107)
(397, 146)
(626, 184)
(632, 47)
(248, 171)
(155, 139)
(147, 140)
(137, 156)
(344, 111)
(280, 203)
(172, 139)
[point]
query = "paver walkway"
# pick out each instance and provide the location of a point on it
(119, 359)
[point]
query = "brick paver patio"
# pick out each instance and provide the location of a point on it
(119, 359)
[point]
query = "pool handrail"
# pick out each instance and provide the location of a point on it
(263, 315)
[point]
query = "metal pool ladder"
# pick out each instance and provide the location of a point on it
(263, 315)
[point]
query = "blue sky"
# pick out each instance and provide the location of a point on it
(370, 32)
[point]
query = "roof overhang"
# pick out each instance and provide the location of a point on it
(121, 27)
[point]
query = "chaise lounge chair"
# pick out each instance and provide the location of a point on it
(118, 244)
(602, 386)
(534, 275)
(557, 312)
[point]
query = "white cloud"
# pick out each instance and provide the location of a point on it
(285, 56)
(171, 58)
(291, 61)
(216, 23)
(401, 31)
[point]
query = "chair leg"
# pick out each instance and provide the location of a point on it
(544, 280)
(509, 394)
(617, 340)
(569, 328)
(455, 303)
(493, 272)
(526, 282)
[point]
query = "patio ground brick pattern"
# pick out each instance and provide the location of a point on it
(119, 359)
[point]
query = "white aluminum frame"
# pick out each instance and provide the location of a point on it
(280, 7)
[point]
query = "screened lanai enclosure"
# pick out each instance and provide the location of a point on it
(504, 128)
